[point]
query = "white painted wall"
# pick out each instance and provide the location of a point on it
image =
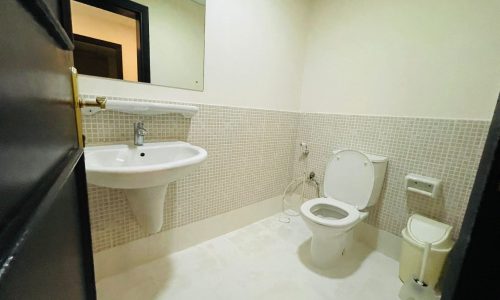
(403, 58)
(253, 58)
(388, 57)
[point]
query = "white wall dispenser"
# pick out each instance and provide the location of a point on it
(423, 185)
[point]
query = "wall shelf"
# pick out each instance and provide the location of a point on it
(143, 108)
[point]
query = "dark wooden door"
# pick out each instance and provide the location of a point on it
(45, 245)
(473, 269)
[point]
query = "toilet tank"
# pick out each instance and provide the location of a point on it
(355, 177)
(379, 169)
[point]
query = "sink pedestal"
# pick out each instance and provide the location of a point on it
(147, 206)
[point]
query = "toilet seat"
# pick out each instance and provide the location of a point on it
(353, 215)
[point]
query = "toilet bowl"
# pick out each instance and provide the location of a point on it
(352, 182)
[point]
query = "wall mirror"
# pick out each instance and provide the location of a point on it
(154, 41)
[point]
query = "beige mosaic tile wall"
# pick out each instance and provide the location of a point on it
(253, 154)
(250, 153)
(445, 149)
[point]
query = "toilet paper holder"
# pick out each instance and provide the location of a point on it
(423, 185)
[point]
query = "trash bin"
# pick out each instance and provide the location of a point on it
(418, 231)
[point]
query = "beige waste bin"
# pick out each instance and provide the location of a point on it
(419, 230)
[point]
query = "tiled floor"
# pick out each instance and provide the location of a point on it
(265, 260)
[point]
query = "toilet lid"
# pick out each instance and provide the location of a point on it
(349, 177)
(427, 230)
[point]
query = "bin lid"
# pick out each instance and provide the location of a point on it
(425, 230)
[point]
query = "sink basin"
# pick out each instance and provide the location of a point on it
(132, 167)
(143, 172)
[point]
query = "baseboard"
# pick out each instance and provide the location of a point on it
(124, 257)
(382, 241)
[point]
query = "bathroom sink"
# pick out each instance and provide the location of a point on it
(143, 172)
(132, 167)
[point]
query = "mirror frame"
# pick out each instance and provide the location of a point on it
(125, 8)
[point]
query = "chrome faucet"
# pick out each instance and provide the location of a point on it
(139, 133)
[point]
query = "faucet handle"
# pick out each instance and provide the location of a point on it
(139, 125)
(139, 128)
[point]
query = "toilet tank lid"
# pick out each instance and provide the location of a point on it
(371, 157)
(426, 230)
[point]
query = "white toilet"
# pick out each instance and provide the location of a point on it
(352, 182)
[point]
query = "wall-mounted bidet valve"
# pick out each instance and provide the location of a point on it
(139, 133)
(303, 147)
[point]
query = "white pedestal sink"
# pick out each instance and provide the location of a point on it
(144, 173)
